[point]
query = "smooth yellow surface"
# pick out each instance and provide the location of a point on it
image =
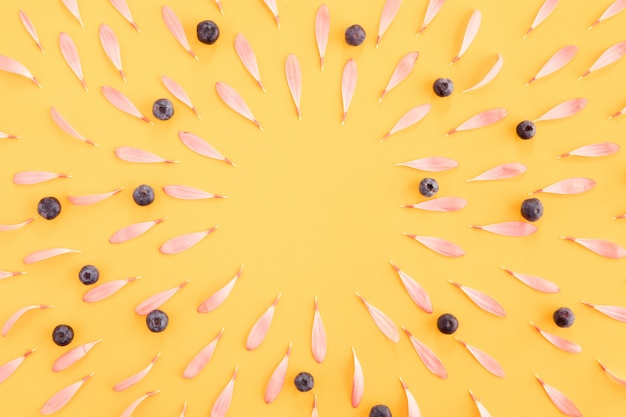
(313, 209)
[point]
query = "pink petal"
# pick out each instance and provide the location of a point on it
(594, 150)
(611, 55)
(219, 6)
(610, 374)
(123, 103)
(201, 146)
(439, 245)
(177, 91)
(67, 128)
(271, 4)
(131, 408)
(559, 342)
(122, 7)
(36, 177)
(157, 300)
(433, 8)
(44, 254)
(563, 110)
(409, 119)
(500, 172)
(546, 10)
(614, 312)
(358, 382)
(481, 408)
(536, 283)
(483, 119)
(181, 243)
(495, 70)
(382, 321)
(568, 186)
(470, 33)
(134, 230)
(318, 336)
(4, 135)
(202, 358)
(130, 154)
(73, 356)
(248, 59)
(277, 380)
(440, 204)
(132, 380)
(9, 227)
(416, 292)
(106, 290)
(176, 28)
(261, 327)
(182, 414)
(7, 274)
(482, 300)
(619, 113)
(222, 403)
(85, 200)
(348, 85)
(19, 313)
(9, 64)
(314, 411)
(61, 398)
(402, 70)
(30, 28)
(557, 61)
(560, 401)
(432, 164)
(185, 192)
(294, 80)
(390, 10)
(70, 53)
(72, 6)
(111, 47)
(322, 29)
(219, 296)
(7, 369)
(486, 361)
(428, 357)
(613, 9)
(414, 410)
(515, 229)
(235, 102)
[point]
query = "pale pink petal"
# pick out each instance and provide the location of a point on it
(414, 410)
(440, 204)
(322, 29)
(348, 85)
(546, 10)
(181, 243)
(614, 312)
(185, 192)
(157, 300)
(382, 321)
(73, 356)
(481, 408)
(495, 70)
(486, 361)
(4, 135)
(222, 403)
(122, 7)
(314, 411)
(70, 53)
(201, 146)
(428, 357)
(610, 374)
(431, 164)
(9, 64)
(594, 150)
(248, 59)
(261, 327)
(36, 177)
(130, 154)
(123, 103)
(568, 186)
(483, 119)
(30, 28)
(235, 102)
(416, 292)
(439, 245)
(470, 33)
(277, 380)
(500, 172)
(176, 28)
(7, 369)
(219, 6)
(482, 300)
(72, 6)
(67, 128)
(202, 358)
(44, 254)
(513, 228)
(106, 290)
(557, 61)
(271, 4)
(294, 80)
(9, 274)
(390, 10)
(611, 55)
(318, 336)
(134, 230)
(85, 200)
(9, 227)
(560, 401)
(402, 70)
(131, 408)
(433, 8)
(111, 47)
(563, 110)
(61, 398)
(536, 283)
(219, 296)
(19, 313)
(619, 113)
(613, 9)
(182, 413)
(408, 119)
(559, 342)
(133, 379)
(358, 382)
(177, 91)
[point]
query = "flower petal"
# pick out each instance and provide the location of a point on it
(73, 356)
(261, 327)
(482, 119)
(599, 246)
(181, 243)
(7, 369)
(348, 85)
(470, 33)
(559, 342)
(277, 380)
(322, 29)
(546, 10)
(431, 164)
(62, 397)
(177, 91)
(19, 313)
(390, 10)
(557, 61)
(409, 119)
(133, 379)
(536, 283)
(428, 357)
(106, 290)
(222, 404)
(176, 28)
(131, 408)
(358, 382)
(248, 58)
(70, 53)
(134, 230)
(564, 404)
(439, 245)
(482, 300)
(495, 70)
(111, 47)
(157, 300)
(416, 292)
(202, 358)
(402, 70)
(294, 80)
(121, 102)
(382, 321)
(513, 228)
(500, 172)
(487, 362)
(433, 8)
(568, 186)
(318, 336)
(218, 297)
(235, 102)
(615, 312)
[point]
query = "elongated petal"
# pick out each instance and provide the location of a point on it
(185, 192)
(261, 327)
(111, 47)
(358, 382)
(382, 321)
(123, 103)
(201, 146)
(9, 227)
(19, 313)
(515, 229)
(414, 410)
(277, 380)
(131, 408)
(222, 403)
(314, 411)
(486, 361)
(390, 10)
(500, 172)
(122, 7)
(318, 336)
(9, 64)
(483, 119)
(322, 29)
(611, 55)
(182, 413)
(563, 110)
(482, 300)
(418, 294)
(7, 369)
(481, 408)
(559, 342)
(248, 58)
(106, 290)
(431, 11)
(181, 243)
(72, 6)
(610, 374)
(440, 204)
(495, 70)
(202, 358)
(557, 61)
(536, 283)
(594, 150)
(73, 356)
(218, 297)
(177, 91)
(4, 135)
(568, 186)
(30, 28)
(546, 10)
(70, 53)
(271, 4)
(348, 85)
(470, 33)
(402, 70)
(44, 254)
(560, 401)
(9, 274)
(62, 397)
(427, 356)
(157, 300)
(235, 102)
(133, 379)
(130, 154)
(408, 119)
(67, 128)
(134, 230)
(614, 312)
(613, 9)
(439, 245)
(36, 177)
(431, 164)
(85, 200)
(294, 80)
(176, 28)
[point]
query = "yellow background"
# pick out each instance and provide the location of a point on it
(313, 209)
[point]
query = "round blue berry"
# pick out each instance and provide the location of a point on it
(63, 335)
(163, 109)
(525, 129)
(207, 32)
(88, 275)
(563, 317)
(157, 321)
(143, 195)
(49, 208)
(443, 87)
(447, 323)
(428, 187)
(380, 410)
(355, 35)
(532, 209)
(304, 382)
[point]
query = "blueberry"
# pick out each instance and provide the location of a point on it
(208, 32)
(49, 208)
(304, 382)
(526, 129)
(532, 209)
(563, 317)
(163, 109)
(380, 410)
(157, 321)
(63, 335)
(443, 87)
(355, 35)
(143, 195)
(428, 187)
(88, 274)
(447, 323)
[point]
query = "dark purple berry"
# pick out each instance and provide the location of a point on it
(443, 87)
(355, 35)
(208, 32)
(563, 317)
(49, 208)
(304, 382)
(380, 410)
(88, 275)
(447, 323)
(143, 195)
(62, 335)
(163, 109)
(532, 209)
(428, 187)
(157, 321)
(526, 129)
